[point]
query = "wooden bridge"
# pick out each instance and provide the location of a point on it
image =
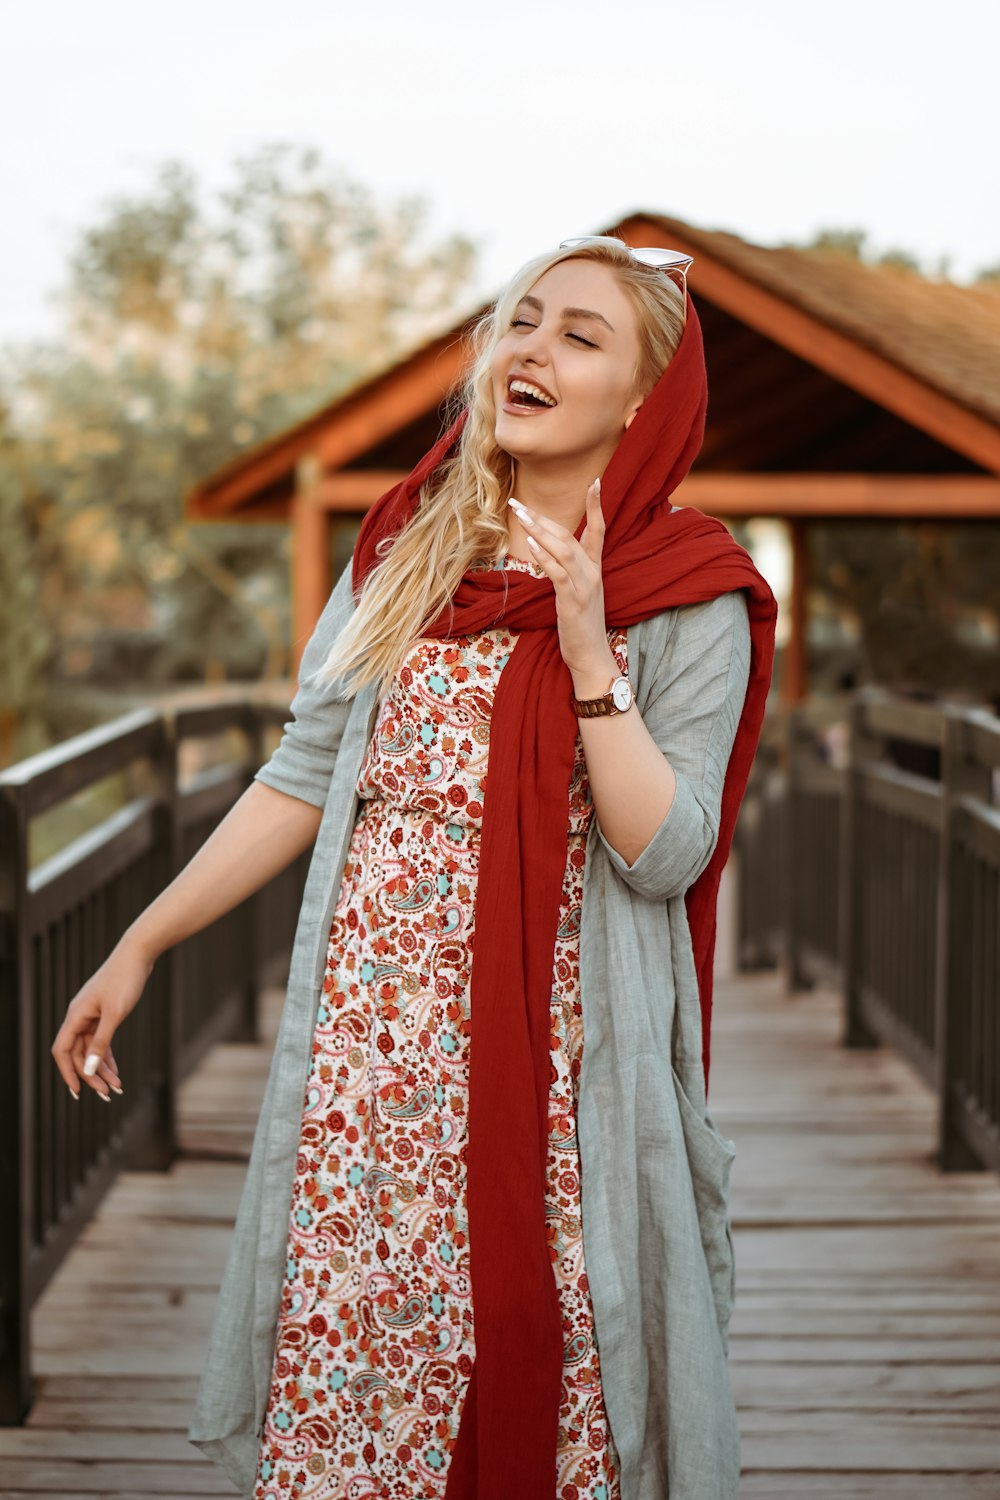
(865, 1194)
(865, 1344)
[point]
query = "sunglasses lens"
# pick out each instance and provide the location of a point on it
(674, 263)
(655, 257)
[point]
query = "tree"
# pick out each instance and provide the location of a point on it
(194, 328)
(849, 242)
(853, 243)
(922, 596)
(300, 283)
(25, 629)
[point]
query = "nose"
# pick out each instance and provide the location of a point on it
(533, 345)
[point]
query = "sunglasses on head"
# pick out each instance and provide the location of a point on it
(673, 262)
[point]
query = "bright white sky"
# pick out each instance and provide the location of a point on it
(523, 121)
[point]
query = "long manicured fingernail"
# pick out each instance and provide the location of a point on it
(116, 1089)
(73, 1092)
(105, 1097)
(91, 1065)
(597, 486)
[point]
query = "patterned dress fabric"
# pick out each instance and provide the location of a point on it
(376, 1329)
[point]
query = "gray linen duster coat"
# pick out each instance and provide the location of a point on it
(654, 1168)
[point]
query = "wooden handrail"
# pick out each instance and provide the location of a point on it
(59, 918)
(887, 885)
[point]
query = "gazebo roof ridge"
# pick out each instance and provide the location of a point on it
(935, 341)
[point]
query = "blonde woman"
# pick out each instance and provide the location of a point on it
(483, 1249)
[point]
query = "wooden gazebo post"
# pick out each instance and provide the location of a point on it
(794, 683)
(310, 553)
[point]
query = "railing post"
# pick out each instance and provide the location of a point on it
(851, 900)
(793, 852)
(158, 1150)
(16, 1082)
(740, 842)
(958, 777)
(254, 915)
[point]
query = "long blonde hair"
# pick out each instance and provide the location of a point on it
(461, 515)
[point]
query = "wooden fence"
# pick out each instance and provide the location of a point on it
(872, 860)
(59, 919)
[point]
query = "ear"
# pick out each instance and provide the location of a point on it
(632, 415)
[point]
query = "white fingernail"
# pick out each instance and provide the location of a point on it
(92, 1064)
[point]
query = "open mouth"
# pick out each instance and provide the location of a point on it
(523, 395)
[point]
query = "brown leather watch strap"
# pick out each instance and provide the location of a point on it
(593, 708)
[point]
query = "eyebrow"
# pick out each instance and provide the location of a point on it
(568, 312)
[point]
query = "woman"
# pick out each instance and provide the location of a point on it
(483, 1249)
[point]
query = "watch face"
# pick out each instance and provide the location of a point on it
(621, 693)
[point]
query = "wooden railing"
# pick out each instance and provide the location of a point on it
(872, 861)
(874, 865)
(59, 919)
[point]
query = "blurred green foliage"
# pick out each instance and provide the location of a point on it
(193, 328)
(914, 603)
(855, 245)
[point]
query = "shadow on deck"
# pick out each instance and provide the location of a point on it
(865, 1344)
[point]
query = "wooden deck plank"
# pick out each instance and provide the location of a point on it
(918, 1386)
(864, 1347)
(908, 1485)
(42, 1478)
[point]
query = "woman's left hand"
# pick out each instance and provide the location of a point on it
(575, 570)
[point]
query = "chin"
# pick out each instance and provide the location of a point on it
(515, 436)
(508, 441)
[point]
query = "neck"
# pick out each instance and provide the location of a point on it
(558, 494)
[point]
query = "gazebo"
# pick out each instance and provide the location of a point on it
(836, 389)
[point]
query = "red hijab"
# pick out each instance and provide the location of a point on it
(654, 559)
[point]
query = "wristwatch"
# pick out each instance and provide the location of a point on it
(617, 700)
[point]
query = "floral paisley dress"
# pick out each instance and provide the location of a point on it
(376, 1330)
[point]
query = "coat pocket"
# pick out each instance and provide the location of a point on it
(710, 1158)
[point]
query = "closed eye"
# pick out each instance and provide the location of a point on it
(523, 323)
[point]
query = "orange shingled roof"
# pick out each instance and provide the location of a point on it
(947, 334)
(944, 335)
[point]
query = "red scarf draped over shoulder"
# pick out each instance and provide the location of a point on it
(655, 558)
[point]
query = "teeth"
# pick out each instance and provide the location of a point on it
(531, 390)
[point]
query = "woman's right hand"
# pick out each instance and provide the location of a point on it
(261, 834)
(94, 1013)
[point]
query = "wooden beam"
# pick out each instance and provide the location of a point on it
(895, 495)
(794, 675)
(311, 582)
(900, 496)
(356, 490)
(339, 431)
(418, 386)
(804, 334)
